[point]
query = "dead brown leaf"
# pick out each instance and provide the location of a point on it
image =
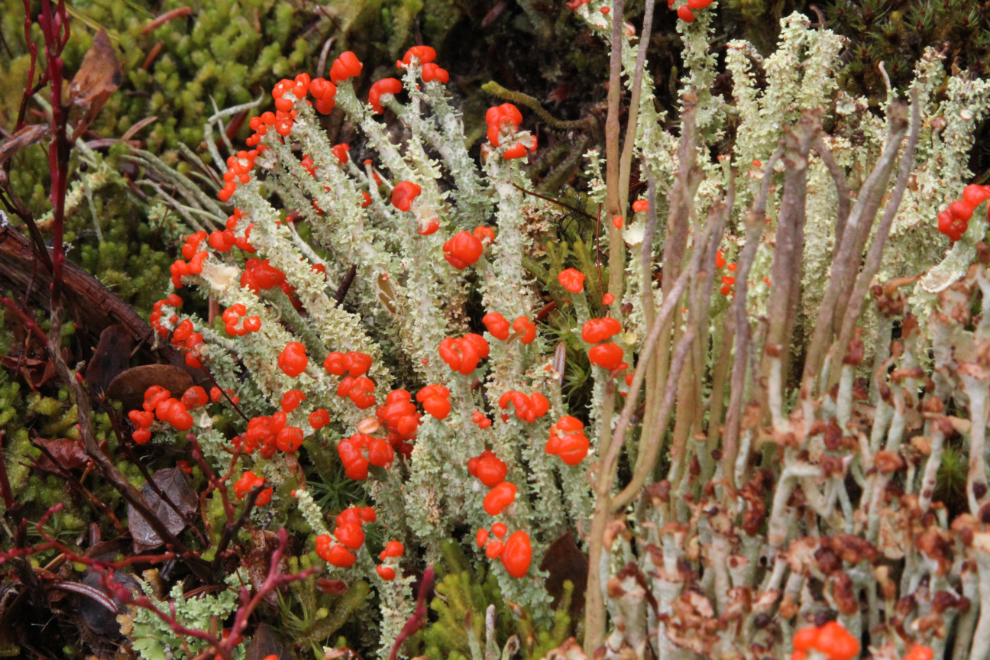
(99, 75)
(69, 454)
(110, 359)
(172, 482)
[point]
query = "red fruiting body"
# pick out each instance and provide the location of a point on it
(319, 418)
(479, 418)
(380, 88)
(247, 482)
(488, 468)
(571, 279)
(481, 537)
(259, 274)
(289, 439)
(386, 573)
(517, 555)
(568, 441)
(520, 149)
(462, 250)
(685, 14)
(640, 206)
(358, 390)
(500, 119)
(494, 549)
(393, 549)
(617, 221)
(344, 67)
(608, 299)
(526, 327)
(404, 193)
(361, 450)
(602, 329)
(339, 556)
(699, 4)
(435, 400)
(353, 363)
(292, 360)
(500, 530)
(340, 151)
(433, 73)
(832, 640)
(499, 497)
(462, 354)
(496, 325)
(954, 220)
(920, 652)
(424, 54)
(526, 408)
(607, 356)
(400, 416)
(350, 534)
(195, 397)
(291, 400)
(484, 234)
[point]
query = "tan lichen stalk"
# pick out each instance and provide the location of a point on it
(778, 503)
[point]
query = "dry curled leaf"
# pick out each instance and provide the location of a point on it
(110, 359)
(172, 482)
(98, 77)
(69, 454)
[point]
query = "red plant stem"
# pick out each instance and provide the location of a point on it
(55, 28)
(274, 580)
(28, 322)
(8, 496)
(418, 618)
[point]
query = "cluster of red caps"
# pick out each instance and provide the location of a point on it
(233, 315)
(568, 441)
(954, 220)
(527, 408)
(831, 640)
(517, 553)
(686, 12)
(606, 354)
(269, 434)
(503, 123)
(360, 450)
(462, 354)
(159, 404)
(573, 279)
(338, 549)
(248, 481)
(499, 327)
(728, 281)
(221, 241)
(189, 342)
